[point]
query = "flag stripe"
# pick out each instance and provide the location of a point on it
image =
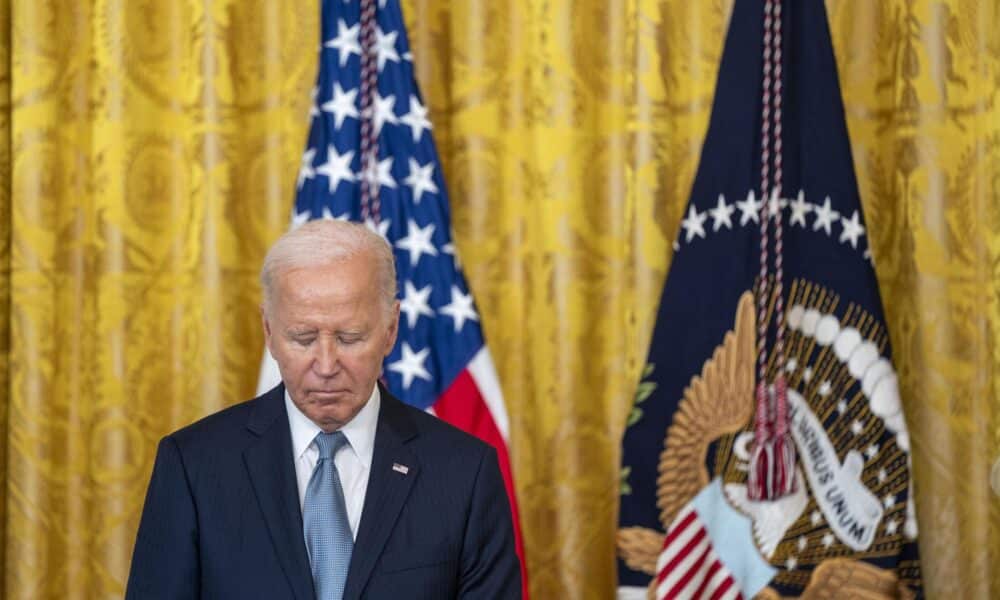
(463, 405)
(684, 559)
(485, 375)
(727, 591)
(712, 579)
(674, 550)
(693, 575)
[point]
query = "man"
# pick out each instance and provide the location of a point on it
(327, 486)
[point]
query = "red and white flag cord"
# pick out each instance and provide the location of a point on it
(772, 458)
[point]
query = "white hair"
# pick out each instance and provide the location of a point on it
(324, 242)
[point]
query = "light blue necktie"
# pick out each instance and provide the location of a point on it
(324, 520)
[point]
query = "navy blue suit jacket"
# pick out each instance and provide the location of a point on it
(222, 517)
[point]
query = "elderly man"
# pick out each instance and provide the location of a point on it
(327, 486)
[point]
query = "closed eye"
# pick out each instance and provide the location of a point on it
(303, 340)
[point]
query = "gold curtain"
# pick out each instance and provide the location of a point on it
(149, 151)
(153, 145)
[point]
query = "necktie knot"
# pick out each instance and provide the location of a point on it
(329, 443)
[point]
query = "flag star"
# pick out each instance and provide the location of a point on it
(871, 451)
(857, 427)
(791, 365)
(802, 543)
(380, 173)
(882, 475)
(415, 303)
(799, 209)
(381, 228)
(721, 214)
(807, 374)
(411, 365)
(815, 518)
(889, 500)
(337, 167)
(384, 111)
(891, 526)
(341, 105)
(749, 209)
(416, 119)
(346, 41)
(842, 406)
(460, 308)
(300, 218)
(824, 388)
(417, 241)
(828, 540)
(791, 563)
(328, 215)
(306, 170)
(421, 179)
(853, 229)
(385, 46)
(825, 216)
(694, 224)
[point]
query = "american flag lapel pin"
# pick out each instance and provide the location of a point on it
(400, 468)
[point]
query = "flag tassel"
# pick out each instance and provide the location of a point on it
(772, 456)
(784, 446)
(760, 480)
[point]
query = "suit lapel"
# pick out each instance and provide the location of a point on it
(271, 468)
(388, 489)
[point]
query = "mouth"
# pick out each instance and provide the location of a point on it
(326, 394)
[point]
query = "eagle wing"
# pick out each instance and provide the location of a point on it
(639, 547)
(716, 402)
(847, 578)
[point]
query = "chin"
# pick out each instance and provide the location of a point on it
(332, 411)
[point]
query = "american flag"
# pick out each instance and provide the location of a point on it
(440, 362)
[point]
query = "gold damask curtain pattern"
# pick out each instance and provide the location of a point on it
(154, 145)
(149, 152)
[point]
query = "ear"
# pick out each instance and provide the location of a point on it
(267, 328)
(393, 330)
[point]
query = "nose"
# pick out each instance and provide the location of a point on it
(325, 363)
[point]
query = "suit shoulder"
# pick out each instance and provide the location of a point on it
(446, 435)
(217, 426)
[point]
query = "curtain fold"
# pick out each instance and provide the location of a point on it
(149, 153)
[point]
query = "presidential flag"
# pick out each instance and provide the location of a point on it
(440, 362)
(691, 525)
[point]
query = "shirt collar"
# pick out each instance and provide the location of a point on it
(359, 431)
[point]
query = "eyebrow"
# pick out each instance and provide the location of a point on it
(297, 332)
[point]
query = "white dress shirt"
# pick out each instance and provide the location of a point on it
(354, 461)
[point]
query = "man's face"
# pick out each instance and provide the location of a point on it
(328, 330)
